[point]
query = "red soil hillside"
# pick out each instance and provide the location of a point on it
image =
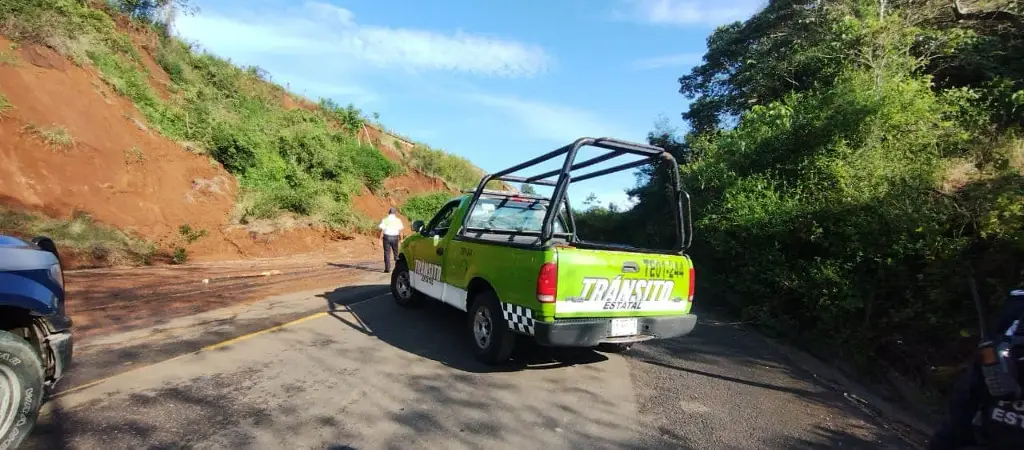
(126, 176)
(397, 188)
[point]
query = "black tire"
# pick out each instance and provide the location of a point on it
(497, 348)
(614, 348)
(21, 389)
(405, 296)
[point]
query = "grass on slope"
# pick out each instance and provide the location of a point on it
(5, 105)
(56, 136)
(302, 161)
(106, 246)
(452, 168)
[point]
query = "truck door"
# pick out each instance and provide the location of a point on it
(428, 255)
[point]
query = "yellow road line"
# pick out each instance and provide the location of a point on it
(204, 349)
(257, 333)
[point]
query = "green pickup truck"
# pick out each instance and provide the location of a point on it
(518, 267)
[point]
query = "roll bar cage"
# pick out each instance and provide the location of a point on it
(565, 176)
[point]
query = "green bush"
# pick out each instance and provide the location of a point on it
(190, 234)
(424, 206)
(374, 167)
(455, 169)
(235, 151)
(5, 104)
(848, 174)
(180, 256)
(824, 214)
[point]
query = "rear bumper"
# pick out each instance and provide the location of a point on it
(591, 332)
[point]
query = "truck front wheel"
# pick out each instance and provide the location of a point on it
(401, 286)
(492, 340)
(21, 389)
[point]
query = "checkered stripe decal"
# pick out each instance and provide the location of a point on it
(519, 319)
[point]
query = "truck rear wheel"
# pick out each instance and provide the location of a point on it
(21, 389)
(401, 286)
(492, 340)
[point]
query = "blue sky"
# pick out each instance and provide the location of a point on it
(497, 82)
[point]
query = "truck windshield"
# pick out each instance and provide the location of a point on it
(510, 214)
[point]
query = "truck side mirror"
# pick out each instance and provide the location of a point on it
(417, 226)
(47, 244)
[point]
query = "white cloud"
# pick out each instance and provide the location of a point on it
(331, 35)
(330, 11)
(687, 12)
(552, 122)
(675, 60)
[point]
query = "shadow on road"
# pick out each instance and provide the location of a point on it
(824, 439)
(54, 433)
(308, 388)
(439, 332)
(790, 390)
(95, 364)
(725, 365)
(208, 411)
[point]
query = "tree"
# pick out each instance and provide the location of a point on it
(156, 11)
(854, 158)
(527, 189)
(789, 45)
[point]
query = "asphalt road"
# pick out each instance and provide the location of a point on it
(370, 375)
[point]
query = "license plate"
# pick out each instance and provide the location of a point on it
(624, 327)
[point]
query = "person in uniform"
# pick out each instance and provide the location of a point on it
(987, 406)
(390, 235)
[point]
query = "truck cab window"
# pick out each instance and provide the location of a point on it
(443, 220)
(511, 215)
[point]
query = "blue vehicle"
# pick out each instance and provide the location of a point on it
(35, 332)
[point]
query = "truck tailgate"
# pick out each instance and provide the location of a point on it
(605, 283)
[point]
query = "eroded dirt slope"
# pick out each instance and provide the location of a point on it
(127, 176)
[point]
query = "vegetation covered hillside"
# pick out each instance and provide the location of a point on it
(314, 163)
(852, 163)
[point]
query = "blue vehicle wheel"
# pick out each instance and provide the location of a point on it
(21, 389)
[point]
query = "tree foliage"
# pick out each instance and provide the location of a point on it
(157, 12)
(851, 164)
(424, 206)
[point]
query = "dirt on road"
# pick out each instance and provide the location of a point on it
(106, 301)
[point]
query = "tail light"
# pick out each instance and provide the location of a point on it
(693, 284)
(547, 283)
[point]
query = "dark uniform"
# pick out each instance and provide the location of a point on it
(977, 418)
